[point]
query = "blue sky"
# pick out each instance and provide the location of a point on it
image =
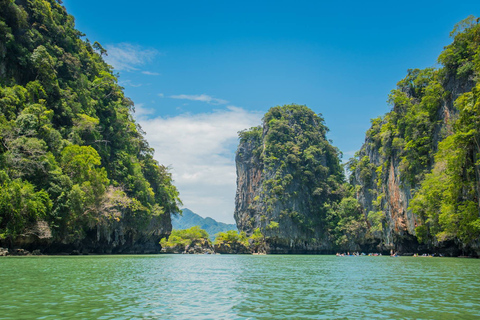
(199, 71)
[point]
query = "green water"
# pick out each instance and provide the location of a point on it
(238, 287)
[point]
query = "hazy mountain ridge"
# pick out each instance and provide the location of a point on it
(190, 219)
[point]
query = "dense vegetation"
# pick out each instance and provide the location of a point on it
(70, 153)
(432, 134)
(304, 182)
(295, 149)
(73, 158)
(238, 242)
(448, 201)
(416, 179)
(181, 239)
(231, 241)
(406, 133)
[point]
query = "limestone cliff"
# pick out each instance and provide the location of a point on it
(288, 176)
(117, 238)
(76, 172)
(399, 151)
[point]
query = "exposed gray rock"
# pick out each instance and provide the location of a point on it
(3, 252)
(295, 207)
(102, 239)
(399, 227)
(201, 246)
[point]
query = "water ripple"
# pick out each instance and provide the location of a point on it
(238, 287)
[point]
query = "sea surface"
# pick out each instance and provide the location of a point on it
(238, 287)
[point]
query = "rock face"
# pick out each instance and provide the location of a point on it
(119, 240)
(385, 183)
(231, 249)
(76, 172)
(3, 252)
(287, 176)
(111, 239)
(199, 246)
(249, 184)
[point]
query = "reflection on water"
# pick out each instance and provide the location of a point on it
(238, 287)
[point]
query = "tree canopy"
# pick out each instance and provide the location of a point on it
(70, 149)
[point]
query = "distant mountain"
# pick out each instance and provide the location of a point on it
(190, 219)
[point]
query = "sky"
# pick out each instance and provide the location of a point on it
(200, 71)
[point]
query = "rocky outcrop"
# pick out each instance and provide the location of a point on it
(199, 246)
(3, 252)
(249, 185)
(237, 248)
(102, 239)
(76, 174)
(399, 222)
(287, 176)
(381, 183)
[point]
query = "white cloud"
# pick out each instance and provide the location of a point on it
(141, 112)
(149, 73)
(129, 83)
(161, 95)
(127, 57)
(200, 149)
(200, 97)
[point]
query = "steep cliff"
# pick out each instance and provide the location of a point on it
(76, 172)
(288, 180)
(403, 147)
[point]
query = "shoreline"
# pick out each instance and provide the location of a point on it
(64, 254)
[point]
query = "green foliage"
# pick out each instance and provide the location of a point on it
(257, 238)
(272, 226)
(437, 148)
(375, 220)
(346, 223)
(366, 170)
(67, 131)
(448, 202)
(254, 133)
(461, 57)
(407, 132)
(182, 238)
(232, 238)
(235, 242)
(294, 150)
(20, 205)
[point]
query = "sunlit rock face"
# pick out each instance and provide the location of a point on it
(382, 184)
(287, 175)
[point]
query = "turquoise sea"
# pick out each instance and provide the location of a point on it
(238, 287)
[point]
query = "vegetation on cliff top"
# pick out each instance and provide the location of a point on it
(448, 201)
(300, 166)
(434, 148)
(438, 149)
(70, 153)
